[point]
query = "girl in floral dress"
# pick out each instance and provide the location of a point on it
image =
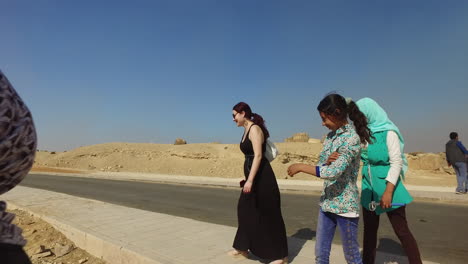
(339, 202)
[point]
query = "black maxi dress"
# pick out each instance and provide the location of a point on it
(260, 223)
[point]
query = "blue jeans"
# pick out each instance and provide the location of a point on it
(326, 227)
(462, 181)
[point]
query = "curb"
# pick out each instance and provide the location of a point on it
(97, 246)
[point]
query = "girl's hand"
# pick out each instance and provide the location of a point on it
(247, 187)
(293, 169)
(386, 201)
(334, 156)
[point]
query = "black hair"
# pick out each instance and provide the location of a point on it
(453, 135)
(335, 105)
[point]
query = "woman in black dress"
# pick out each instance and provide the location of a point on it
(261, 227)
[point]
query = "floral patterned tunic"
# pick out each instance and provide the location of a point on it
(340, 193)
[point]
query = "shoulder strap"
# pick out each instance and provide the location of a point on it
(248, 131)
(246, 135)
(264, 139)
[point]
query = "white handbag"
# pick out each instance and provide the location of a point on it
(271, 151)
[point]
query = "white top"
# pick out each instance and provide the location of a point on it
(349, 215)
(396, 162)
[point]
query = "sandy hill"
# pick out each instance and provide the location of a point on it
(212, 159)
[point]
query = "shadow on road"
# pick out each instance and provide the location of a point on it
(390, 246)
(390, 251)
(297, 240)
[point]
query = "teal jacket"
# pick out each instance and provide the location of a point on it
(376, 159)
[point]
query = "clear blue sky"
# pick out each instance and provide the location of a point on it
(150, 71)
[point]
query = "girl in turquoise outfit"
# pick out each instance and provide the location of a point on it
(384, 165)
(339, 202)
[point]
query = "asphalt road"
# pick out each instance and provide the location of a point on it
(441, 229)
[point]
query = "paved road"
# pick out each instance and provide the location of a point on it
(440, 228)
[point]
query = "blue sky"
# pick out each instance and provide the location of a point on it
(150, 71)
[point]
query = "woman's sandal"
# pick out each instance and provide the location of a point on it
(238, 253)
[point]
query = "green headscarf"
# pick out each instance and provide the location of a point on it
(378, 121)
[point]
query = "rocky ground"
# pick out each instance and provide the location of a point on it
(48, 246)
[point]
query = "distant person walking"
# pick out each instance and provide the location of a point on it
(17, 150)
(383, 164)
(455, 153)
(339, 202)
(261, 227)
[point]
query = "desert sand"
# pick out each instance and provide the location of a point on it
(215, 160)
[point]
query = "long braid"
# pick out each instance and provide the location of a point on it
(360, 122)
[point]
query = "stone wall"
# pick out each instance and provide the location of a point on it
(298, 137)
(428, 161)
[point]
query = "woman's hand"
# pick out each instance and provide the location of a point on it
(247, 187)
(294, 169)
(242, 183)
(334, 156)
(386, 201)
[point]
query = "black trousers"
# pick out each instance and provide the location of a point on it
(397, 218)
(13, 254)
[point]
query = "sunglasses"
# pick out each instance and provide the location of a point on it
(234, 115)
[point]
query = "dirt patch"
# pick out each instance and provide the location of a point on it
(46, 244)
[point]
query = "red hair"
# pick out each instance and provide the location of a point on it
(255, 118)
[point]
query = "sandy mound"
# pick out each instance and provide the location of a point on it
(212, 159)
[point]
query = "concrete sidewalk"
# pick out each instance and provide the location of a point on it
(123, 235)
